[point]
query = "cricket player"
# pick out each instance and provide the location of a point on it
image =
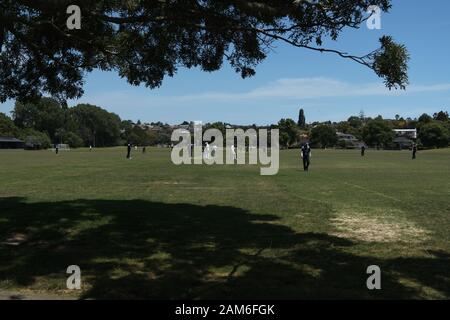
(305, 153)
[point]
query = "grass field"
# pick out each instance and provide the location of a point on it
(144, 228)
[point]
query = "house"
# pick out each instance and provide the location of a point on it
(154, 128)
(404, 138)
(345, 136)
(403, 142)
(351, 142)
(10, 143)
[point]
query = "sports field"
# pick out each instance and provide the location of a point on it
(144, 228)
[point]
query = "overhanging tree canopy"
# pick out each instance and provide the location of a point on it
(147, 40)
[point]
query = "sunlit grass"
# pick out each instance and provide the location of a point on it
(145, 228)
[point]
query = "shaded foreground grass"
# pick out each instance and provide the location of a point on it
(146, 229)
(143, 249)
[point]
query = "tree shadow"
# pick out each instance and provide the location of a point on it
(135, 249)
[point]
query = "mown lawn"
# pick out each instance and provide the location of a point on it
(144, 228)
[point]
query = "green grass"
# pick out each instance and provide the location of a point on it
(144, 228)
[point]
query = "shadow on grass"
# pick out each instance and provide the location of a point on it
(138, 249)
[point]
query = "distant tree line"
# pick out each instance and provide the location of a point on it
(433, 131)
(48, 122)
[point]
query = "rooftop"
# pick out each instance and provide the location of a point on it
(9, 139)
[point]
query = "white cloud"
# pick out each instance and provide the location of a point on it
(281, 89)
(312, 88)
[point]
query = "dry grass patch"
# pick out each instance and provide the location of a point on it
(384, 226)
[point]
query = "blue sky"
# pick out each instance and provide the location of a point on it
(326, 86)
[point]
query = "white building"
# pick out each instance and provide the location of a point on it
(407, 133)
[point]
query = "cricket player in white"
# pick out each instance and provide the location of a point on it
(233, 151)
(207, 151)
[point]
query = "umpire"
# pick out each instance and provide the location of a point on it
(305, 152)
